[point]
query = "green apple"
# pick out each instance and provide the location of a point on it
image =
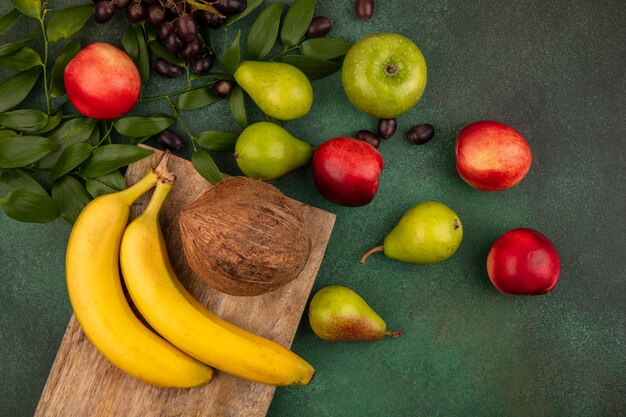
(384, 75)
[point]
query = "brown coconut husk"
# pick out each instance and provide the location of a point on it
(244, 237)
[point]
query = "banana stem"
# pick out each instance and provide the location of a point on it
(369, 252)
(133, 192)
(394, 334)
(158, 198)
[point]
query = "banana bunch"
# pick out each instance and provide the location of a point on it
(194, 338)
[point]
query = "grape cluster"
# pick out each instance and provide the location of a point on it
(177, 25)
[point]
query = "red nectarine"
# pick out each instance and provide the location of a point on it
(492, 156)
(523, 262)
(102, 82)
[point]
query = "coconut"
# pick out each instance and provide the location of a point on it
(244, 237)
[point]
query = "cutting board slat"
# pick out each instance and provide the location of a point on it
(83, 383)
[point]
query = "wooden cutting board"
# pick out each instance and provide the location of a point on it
(82, 383)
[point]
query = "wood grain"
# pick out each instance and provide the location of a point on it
(83, 383)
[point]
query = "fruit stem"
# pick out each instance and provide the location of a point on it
(366, 255)
(160, 168)
(394, 334)
(133, 192)
(158, 198)
(392, 69)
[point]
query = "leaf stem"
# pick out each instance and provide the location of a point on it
(106, 135)
(70, 116)
(31, 168)
(45, 59)
(187, 74)
(175, 93)
(283, 52)
(182, 123)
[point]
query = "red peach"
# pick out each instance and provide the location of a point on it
(102, 82)
(492, 156)
(346, 171)
(523, 262)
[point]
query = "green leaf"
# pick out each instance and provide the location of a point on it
(28, 206)
(108, 158)
(297, 21)
(150, 33)
(57, 86)
(5, 133)
(137, 127)
(19, 151)
(143, 58)
(52, 123)
(238, 107)
(252, 5)
(325, 48)
(21, 60)
(30, 8)
(27, 120)
(94, 137)
(71, 132)
(159, 50)
(196, 99)
(130, 43)
(230, 60)
(9, 20)
(72, 157)
(71, 197)
(205, 33)
(264, 31)
(9, 48)
(216, 140)
(313, 68)
(109, 183)
(14, 90)
(17, 179)
(67, 22)
(206, 167)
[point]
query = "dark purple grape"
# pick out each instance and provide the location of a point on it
(420, 134)
(103, 12)
(202, 64)
(231, 6)
(163, 30)
(150, 2)
(166, 68)
(223, 88)
(369, 137)
(364, 9)
(386, 128)
(211, 20)
(170, 140)
(173, 43)
(136, 13)
(187, 28)
(122, 4)
(320, 26)
(155, 14)
(191, 51)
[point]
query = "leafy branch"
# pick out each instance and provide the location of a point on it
(52, 164)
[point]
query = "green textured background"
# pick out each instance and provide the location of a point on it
(553, 70)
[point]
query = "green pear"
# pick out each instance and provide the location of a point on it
(266, 151)
(428, 233)
(339, 314)
(280, 90)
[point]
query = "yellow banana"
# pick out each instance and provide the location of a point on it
(178, 317)
(96, 294)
